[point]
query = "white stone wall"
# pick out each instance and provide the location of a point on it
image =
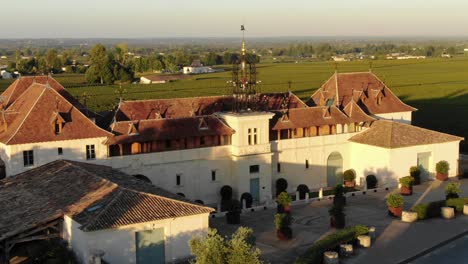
(45, 152)
(119, 244)
(367, 160)
(403, 117)
(292, 155)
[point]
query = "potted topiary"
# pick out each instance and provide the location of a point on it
(226, 197)
(442, 168)
(284, 201)
(339, 199)
(452, 190)
(406, 185)
(349, 178)
(415, 172)
(233, 215)
(371, 181)
(281, 186)
(337, 217)
(302, 189)
(282, 223)
(395, 204)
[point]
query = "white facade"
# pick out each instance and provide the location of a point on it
(119, 245)
(197, 70)
(5, 75)
(45, 152)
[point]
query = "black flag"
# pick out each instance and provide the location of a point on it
(242, 28)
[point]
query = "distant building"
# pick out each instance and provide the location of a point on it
(153, 79)
(338, 58)
(197, 68)
(409, 57)
(3, 57)
(6, 75)
(446, 56)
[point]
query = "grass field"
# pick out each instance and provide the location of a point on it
(437, 87)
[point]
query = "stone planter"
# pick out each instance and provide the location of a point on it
(330, 257)
(447, 212)
(406, 190)
(346, 250)
(409, 217)
(364, 241)
(465, 209)
(395, 211)
(442, 176)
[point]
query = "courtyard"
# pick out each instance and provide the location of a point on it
(396, 241)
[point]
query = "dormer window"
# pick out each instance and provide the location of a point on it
(58, 122)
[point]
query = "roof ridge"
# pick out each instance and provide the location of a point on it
(26, 116)
(12, 92)
(390, 90)
(179, 98)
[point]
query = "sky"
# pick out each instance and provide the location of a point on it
(221, 18)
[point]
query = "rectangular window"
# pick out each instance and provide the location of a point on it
(213, 175)
(90, 152)
(202, 141)
(60, 151)
(249, 136)
(28, 158)
(178, 179)
(254, 169)
(307, 163)
(255, 136)
(278, 167)
(167, 144)
(57, 128)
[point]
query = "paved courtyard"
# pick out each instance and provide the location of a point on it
(396, 241)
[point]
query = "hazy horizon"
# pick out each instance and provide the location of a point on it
(143, 19)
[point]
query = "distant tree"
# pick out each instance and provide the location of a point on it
(451, 50)
(121, 53)
(53, 63)
(213, 59)
(214, 249)
(430, 50)
(100, 68)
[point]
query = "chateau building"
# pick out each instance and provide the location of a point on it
(194, 146)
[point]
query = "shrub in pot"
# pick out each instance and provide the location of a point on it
(233, 215)
(302, 189)
(442, 168)
(282, 224)
(349, 178)
(415, 172)
(226, 197)
(337, 217)
(406, 185)
(281, 185)
(247, 197)
(339, 199)
(284, 200)
(395, 204)
(452, 190)
(371, 181)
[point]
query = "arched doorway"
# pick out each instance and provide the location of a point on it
(334, 169)
(2, 169)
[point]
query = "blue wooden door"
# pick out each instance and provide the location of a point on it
(255, 189)
(150, 246)
(334, 169)
(423, 163)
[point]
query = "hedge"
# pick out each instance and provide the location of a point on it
(315, 254)
(432, 209)
(457, 203)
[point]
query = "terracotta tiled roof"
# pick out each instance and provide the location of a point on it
(18, 87)
(197, 106)
(355, 113)
(171, 128)
(365, 88)
(30, 118)
(313, 116)
(97, 197)
(390, 134)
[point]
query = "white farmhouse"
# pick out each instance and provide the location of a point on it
(101, 213)
(5, 75)
(197, 68)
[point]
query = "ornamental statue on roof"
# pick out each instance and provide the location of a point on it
(244, 81)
